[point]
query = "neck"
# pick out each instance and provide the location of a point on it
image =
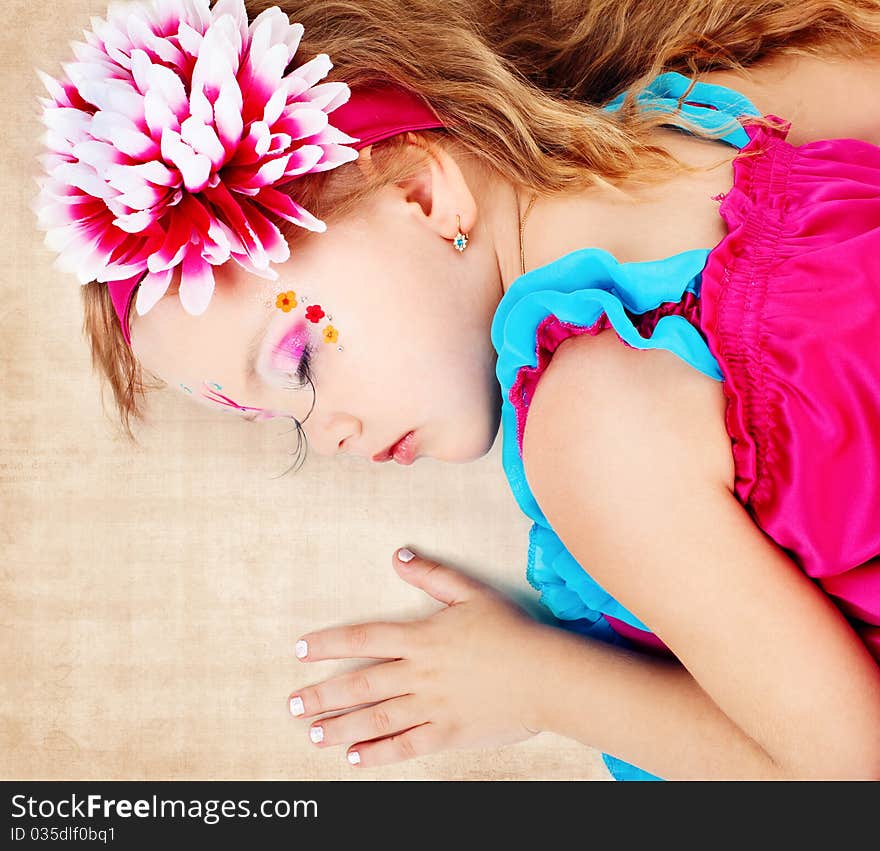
(633, 222)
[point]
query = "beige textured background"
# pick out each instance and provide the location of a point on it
(151, 595)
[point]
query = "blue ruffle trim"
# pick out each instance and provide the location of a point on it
(578, 288)
(621, 770)
(664, 92)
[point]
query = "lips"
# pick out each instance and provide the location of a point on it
(402, 451)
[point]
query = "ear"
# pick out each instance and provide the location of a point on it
(440, 191)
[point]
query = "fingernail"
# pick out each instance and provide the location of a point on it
(302, 649)
(354, 757)
(296, 706)
(316, 734)
(405, 555)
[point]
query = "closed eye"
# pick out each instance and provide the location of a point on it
(305, 364)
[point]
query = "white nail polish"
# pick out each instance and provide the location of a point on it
(316, 734)
(354, 757)
(302, 649)
(406, 554)
(296, 706)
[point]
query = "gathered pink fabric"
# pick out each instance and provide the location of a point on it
(789, 306)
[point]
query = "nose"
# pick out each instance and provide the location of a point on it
(338, 436)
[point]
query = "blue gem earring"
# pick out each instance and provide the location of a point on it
(461, 239)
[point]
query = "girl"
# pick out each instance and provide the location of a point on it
(701, 478)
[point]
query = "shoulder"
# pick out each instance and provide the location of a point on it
(613, 412)
(824, 97)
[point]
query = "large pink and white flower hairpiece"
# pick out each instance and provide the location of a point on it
(168, 137)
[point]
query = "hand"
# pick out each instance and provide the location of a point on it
(465, 677)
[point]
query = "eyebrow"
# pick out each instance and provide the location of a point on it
(253, 351)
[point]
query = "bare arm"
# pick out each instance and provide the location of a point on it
(620, 456)
(646, 710)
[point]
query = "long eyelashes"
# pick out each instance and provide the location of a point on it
(303, 370)
(304, 374)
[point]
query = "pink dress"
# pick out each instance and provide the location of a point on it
(790, 308)
(788, 305)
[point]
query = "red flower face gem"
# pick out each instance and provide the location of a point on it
(314, 313)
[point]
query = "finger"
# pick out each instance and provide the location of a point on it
(441, 582)
(368, 685)
(383, 719)
(417, 741)
(378, 640)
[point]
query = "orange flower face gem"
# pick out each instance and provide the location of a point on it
(331, 335)
(286, 301)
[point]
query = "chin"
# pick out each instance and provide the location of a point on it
(477, 449)
(472, 441)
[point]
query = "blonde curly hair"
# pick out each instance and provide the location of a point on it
(519, 86)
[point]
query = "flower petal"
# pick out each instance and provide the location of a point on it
(158, 115)
(174, 246)
(151, 290)
(284, 206)
(236, 9)
(169, 85)
(196, 283)
(71, 124)
(85, 178)
(99, 155)
(246, 263)
(197, 15)
(328, 96)
(203, 140)
(52, 85)
(115, 96)
(135, 222)
(274, 244)
(302, 121)
(217, 60)
(194, 168)
(303, 160)
(124, 134)
(334, 156)
(315, 69)
(227, 115)
(190, 38)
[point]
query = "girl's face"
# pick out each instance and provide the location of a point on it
(411, 314)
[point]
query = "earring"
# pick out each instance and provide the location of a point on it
(461, 239)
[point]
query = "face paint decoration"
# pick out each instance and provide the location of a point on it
(287, 301)
(229, 404)
(293, 347)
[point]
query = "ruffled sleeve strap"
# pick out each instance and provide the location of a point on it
(581, 286)
(711, 106)
(578, 289)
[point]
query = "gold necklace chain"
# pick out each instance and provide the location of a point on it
(522, 227)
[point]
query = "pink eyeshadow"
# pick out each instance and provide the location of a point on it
(290, 349)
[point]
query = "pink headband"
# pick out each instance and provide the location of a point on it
(371, 116)
(168, 136)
